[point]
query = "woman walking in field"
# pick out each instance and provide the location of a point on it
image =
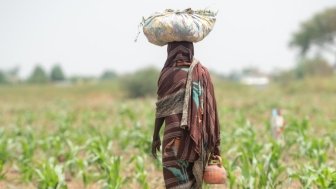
(187, 105)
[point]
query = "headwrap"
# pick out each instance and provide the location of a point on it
(181, 50)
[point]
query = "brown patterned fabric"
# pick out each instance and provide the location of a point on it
(188, 107)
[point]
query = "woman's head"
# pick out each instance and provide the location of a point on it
(179, 50)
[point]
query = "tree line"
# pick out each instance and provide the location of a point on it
(56, 75)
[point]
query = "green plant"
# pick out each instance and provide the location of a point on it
(141, 174)
(50, 176)
(112, 176)
(4, 154)
(322, 177)
(27, 144)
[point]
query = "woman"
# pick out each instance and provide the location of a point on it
(187, 105)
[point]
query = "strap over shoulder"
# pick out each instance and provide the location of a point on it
(187, 95)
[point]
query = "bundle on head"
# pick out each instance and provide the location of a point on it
(186, 25)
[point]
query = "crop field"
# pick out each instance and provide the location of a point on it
(92, 136)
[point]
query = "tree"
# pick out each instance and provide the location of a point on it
(313, 67)
(319, 32)
(57, 74)
(38, 75)
(3, 79)
(108, 75)
(307, 67)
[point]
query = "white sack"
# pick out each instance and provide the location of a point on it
(187, 25)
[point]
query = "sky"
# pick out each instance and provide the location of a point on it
(87, 37)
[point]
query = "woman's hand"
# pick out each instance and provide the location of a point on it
(156, 143)
(216, 151)
(156, 136)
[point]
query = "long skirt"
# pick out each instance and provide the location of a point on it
(179, 173)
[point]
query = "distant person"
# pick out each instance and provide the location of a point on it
(187, 105)
(277, 123)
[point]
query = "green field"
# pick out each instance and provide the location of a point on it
(92, 136)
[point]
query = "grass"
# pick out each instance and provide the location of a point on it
(91, 136)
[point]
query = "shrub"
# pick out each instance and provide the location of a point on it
(57, 74)
(313, 67)
(109, 75)
(38, 75)
(2, 78)
(141, 83)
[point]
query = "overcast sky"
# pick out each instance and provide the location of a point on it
(89, 36)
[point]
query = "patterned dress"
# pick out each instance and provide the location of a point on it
(186, 102)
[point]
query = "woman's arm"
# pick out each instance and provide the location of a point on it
(156, 143)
